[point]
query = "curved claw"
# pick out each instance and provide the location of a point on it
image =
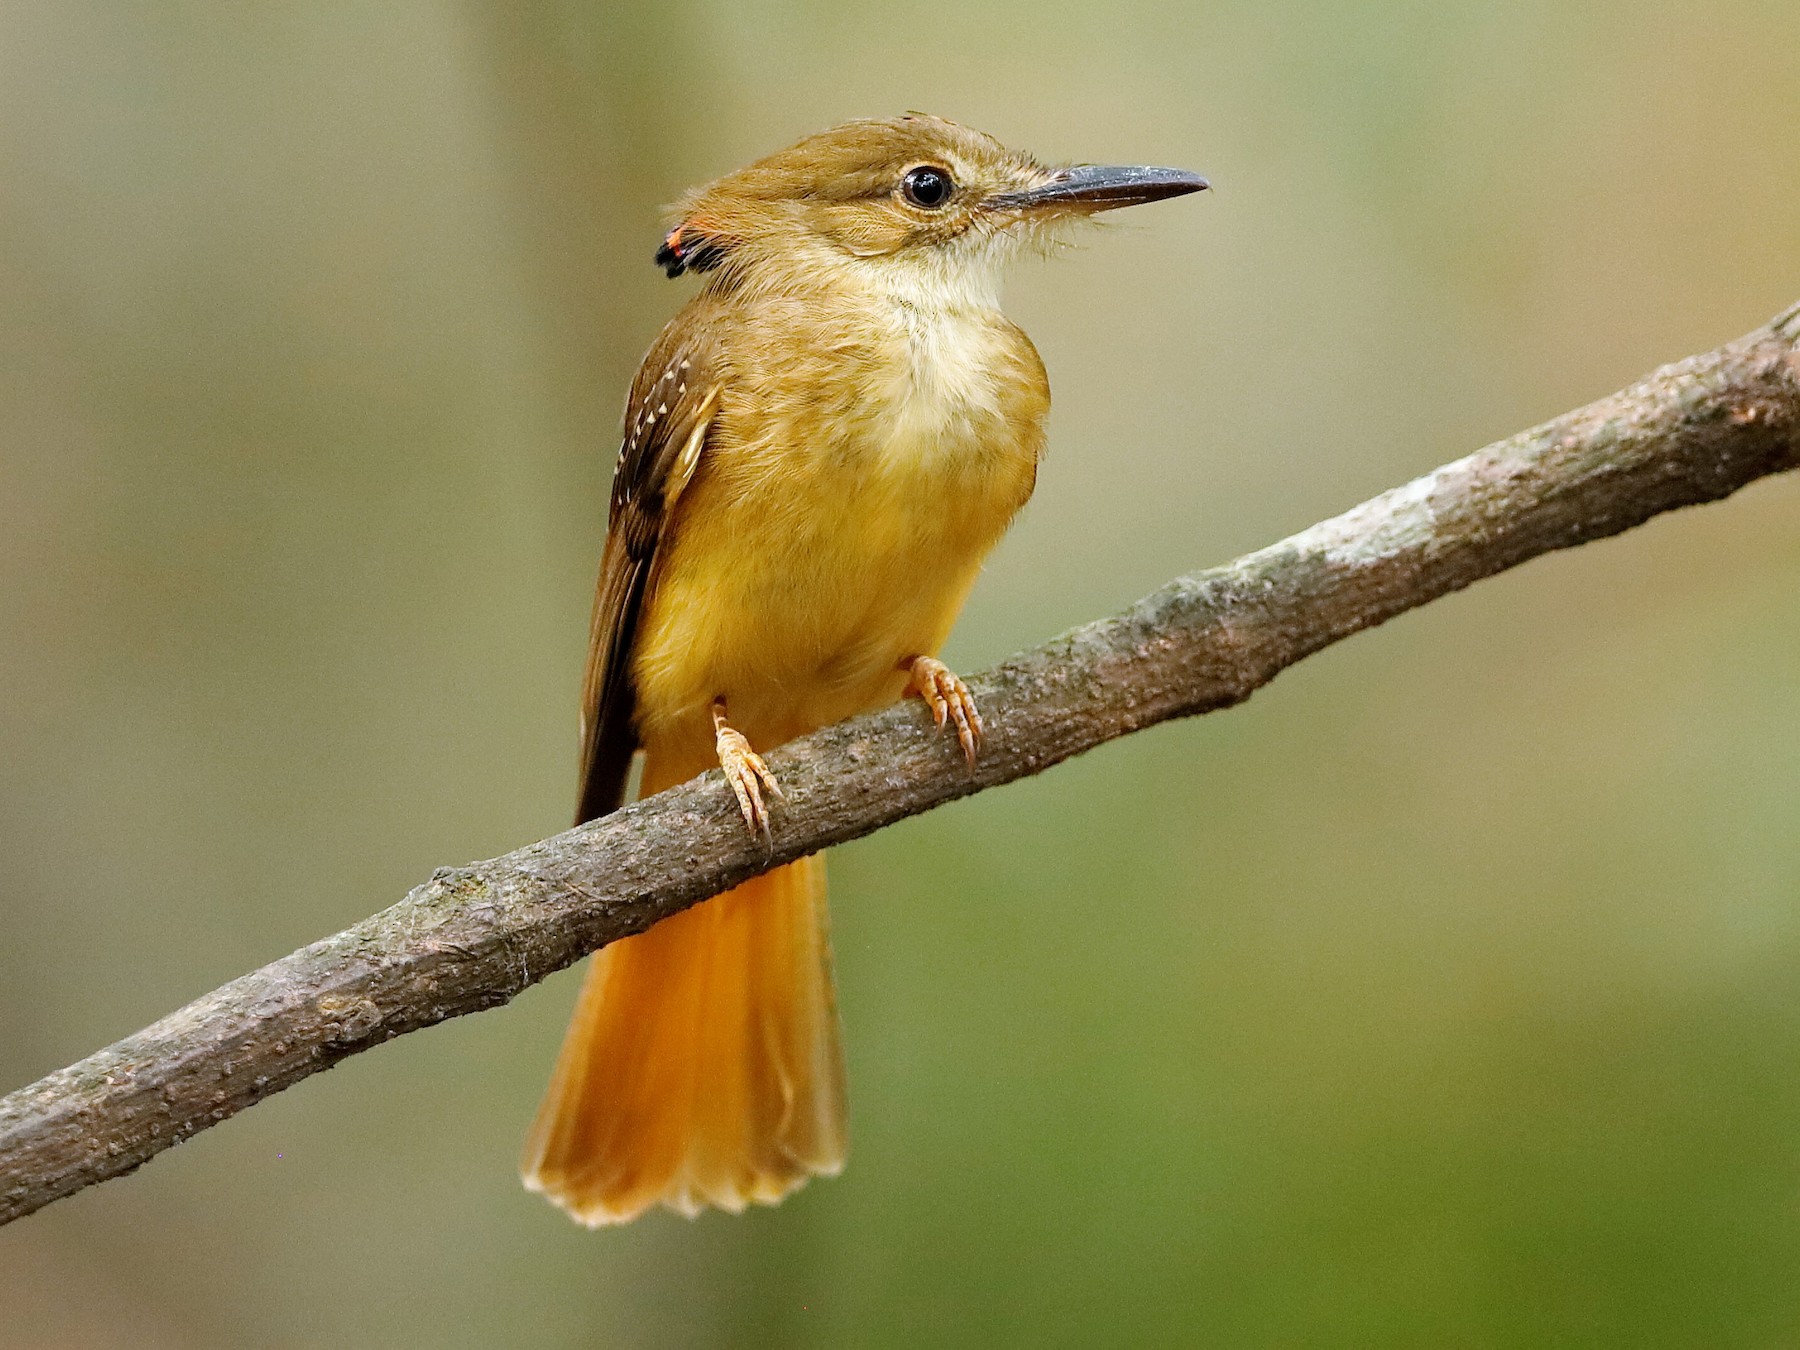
(949, 700)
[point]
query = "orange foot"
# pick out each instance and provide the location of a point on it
(744, 770)
(948, 698)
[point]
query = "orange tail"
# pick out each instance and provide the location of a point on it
(703, 1066)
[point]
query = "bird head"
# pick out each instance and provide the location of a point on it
(913, 196)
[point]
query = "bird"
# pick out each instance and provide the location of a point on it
(819, 451)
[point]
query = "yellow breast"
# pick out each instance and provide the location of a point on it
(861, 466)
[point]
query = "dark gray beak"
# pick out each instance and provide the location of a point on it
(1102, 187)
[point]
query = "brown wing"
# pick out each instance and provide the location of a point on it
(673, 400)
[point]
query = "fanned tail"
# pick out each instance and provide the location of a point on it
(703, 1065)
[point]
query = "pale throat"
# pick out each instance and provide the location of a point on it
(945, 307)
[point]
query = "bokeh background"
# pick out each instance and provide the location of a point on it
(1446, 994)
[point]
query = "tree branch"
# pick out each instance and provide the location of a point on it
(473, 937)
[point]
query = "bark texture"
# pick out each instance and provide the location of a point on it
(472, 937)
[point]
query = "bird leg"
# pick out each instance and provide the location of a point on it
(948, 698)
(744, 770)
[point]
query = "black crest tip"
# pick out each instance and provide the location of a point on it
(670, 260)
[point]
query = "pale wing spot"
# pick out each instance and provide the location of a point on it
(689, 458)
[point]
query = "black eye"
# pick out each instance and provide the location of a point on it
(927, 186)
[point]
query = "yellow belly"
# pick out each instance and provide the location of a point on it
(796, 586)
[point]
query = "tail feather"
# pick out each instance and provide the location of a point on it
(703, 1065)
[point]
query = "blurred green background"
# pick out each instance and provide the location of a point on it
(1446, 994)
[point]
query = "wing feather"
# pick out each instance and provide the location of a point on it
(674, 401)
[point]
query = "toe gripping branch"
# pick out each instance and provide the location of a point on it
(745, 771)
(949, 700)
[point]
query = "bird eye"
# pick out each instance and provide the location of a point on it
(927, 186)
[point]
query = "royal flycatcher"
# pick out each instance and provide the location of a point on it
(819, 450)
